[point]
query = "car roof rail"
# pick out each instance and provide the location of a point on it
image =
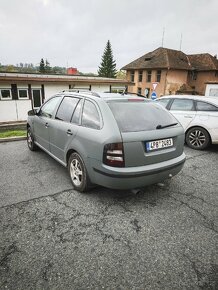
(135, 94)
(78, 91)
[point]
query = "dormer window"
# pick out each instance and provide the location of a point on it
(147, 58)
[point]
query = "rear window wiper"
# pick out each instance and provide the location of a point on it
(165, 126)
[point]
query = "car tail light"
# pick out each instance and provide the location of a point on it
(114, 155)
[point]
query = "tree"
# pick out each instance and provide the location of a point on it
(107, 67)
(121, 75)
(47, 66)
(42, 66)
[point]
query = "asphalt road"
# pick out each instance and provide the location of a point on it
(52, 237)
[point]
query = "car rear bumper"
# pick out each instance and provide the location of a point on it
(135, 177)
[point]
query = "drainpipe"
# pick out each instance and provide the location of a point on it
(166, 81)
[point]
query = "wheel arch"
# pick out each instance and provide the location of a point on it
(69, 152)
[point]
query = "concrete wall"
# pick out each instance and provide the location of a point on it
(100, 88)
(147, 85)
(174, 80)
(171, 81)
(200, 82)
(52, 89)
(14, 110)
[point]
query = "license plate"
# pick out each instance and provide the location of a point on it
(159, 144)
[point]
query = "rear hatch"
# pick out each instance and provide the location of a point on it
(150, 133)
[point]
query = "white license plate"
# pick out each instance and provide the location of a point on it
(159, 144)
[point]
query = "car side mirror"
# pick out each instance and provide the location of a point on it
(33, 112)
(36, 111)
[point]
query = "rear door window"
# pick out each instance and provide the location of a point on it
(90, 116)
(66, 109)
(182, 105)
(140, 116)
(203, 106)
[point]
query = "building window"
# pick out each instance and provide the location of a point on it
(213, 93)
(140, 75)
(132, 74)
(22, 94)
(139, 91)
(149, 76)
(158, 76)
(194, 75)
(5, 94)
(216, 73)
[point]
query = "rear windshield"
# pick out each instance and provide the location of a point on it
(140, 116)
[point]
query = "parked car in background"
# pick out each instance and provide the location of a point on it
(117, 141)
(198, 115)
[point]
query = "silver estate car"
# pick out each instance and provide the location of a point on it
(117, 141)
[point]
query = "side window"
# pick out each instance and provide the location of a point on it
(158, 76)
(48, 108)
(76, 114)
(182, 105)
(163, 102)
(149, 72)
(5, 94)
(90, 116)
(66, 109)
(132, 74)
(202, 106)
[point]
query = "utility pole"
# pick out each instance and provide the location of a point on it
(180, 47)
(163, 37)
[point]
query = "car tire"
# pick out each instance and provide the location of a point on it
(30, 140)
(78, 173)
(197, 138)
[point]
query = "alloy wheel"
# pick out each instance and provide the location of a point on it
(197, 138)
(29, 139)
(76, 172)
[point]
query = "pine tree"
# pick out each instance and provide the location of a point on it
(107, 67)
(42, 66)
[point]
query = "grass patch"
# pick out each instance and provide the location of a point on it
(12, 133)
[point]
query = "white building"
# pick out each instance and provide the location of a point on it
(20, 92)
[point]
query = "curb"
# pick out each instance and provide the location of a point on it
(10, 139)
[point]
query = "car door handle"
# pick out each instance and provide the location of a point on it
(69, 132)
(46, 125)
(190, 117)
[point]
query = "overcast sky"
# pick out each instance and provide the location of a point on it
(75, 32)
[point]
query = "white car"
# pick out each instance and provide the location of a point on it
(198, 116)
